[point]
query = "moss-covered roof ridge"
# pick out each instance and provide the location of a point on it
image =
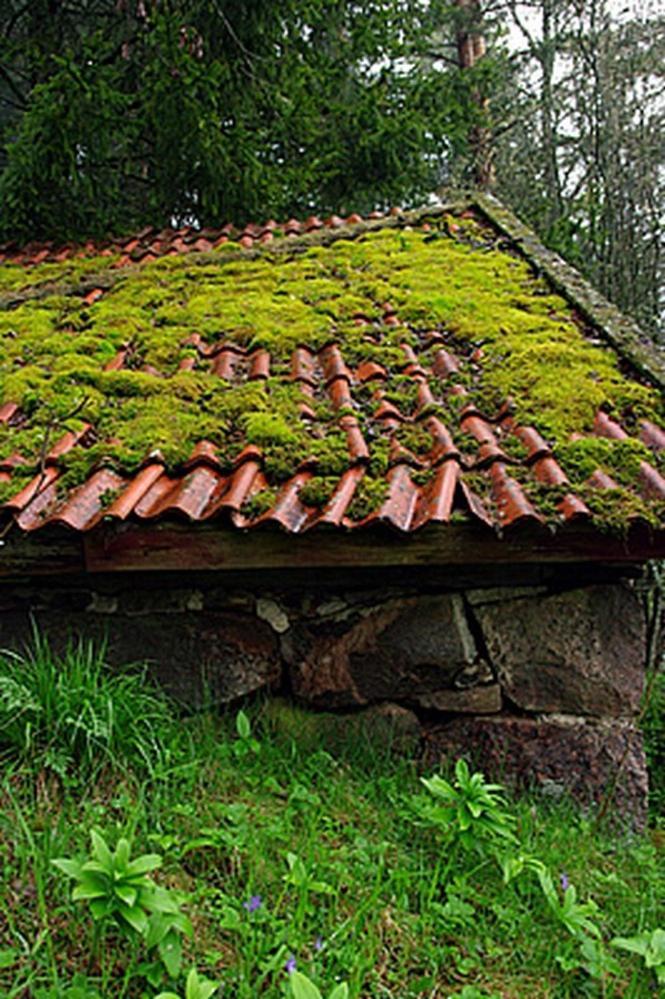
(388, 348)
(620, 331)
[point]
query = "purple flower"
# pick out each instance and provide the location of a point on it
(290, 965)
(318, 943)
(253, 903)
(564, 881)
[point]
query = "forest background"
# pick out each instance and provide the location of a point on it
(116, 114)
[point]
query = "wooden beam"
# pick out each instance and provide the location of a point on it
(173, 547)
(51, 553)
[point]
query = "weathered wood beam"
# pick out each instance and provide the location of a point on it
(170, 546)
(173, 547)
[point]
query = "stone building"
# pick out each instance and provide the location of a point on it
(409, 465)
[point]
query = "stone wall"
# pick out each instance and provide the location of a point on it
(540, 682)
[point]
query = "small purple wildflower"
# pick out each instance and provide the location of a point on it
(253, 903)
(564, 881)
(318, 943)
(291, 965)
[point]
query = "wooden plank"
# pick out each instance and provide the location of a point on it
(43, 553)
(173, 547)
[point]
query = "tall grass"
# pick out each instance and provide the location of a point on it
(74, 713)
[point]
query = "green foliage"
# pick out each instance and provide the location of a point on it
(295, 853)
(468, 811)
(119, 891)
(302, 988)
(74, 714)
(196, 988)
(122, 114)
(650, 947)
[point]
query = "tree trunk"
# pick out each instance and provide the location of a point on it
(470, 49)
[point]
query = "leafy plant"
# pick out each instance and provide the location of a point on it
(469, 811)
(196, 988)
(119, 890)
(576, 917)
(245, 742)
(650, 947)
(302, 988)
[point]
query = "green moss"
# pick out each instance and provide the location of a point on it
(330, 452)
(414, 438)
(259, 503)
(620, 458)
(16, 483)
(318, 490)
(269, 428)
(368, 498)
(457, 280)
(614, 509)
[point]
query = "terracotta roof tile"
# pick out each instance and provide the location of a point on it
(422, 444)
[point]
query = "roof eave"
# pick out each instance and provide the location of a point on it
(174, 546)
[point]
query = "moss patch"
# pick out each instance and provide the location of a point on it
(456, 279)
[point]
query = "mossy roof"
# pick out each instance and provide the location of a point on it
(435, 367)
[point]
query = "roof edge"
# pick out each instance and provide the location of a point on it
(621, 332)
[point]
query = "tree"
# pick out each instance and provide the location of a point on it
(118, 113)
(580, 155)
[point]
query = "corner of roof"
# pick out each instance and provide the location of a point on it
(621, 332)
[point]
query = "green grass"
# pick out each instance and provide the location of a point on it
(72, 712)
(385, 902)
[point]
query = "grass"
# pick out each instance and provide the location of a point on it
(73, 711)
(275, 848)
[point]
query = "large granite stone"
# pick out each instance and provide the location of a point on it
(399, 651)
(578, 652)
(558, 756)
(193, 655)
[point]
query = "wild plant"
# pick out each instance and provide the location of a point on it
(578, 918)
(79, 988)
(122, 895)
(195, 988)
(301, 987)
(245, 743)
(650, 947)
(469, 811)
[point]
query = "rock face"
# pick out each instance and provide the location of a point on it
(579, 652)
(404, 650)
(558, 756)
(193, 655)
(538, 681)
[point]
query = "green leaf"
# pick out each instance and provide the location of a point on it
(199, 988)
(170, 951)
(87, 889)
(243, 727)
(94, 867)
(100, 907)
(156, 899)
(72, 868)
(134, 916)
(158, 927)
(101, 851)
(8, 958)
(122, 853)
(302, 988)
(146, 862)
(126, 894)
(340, 992)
